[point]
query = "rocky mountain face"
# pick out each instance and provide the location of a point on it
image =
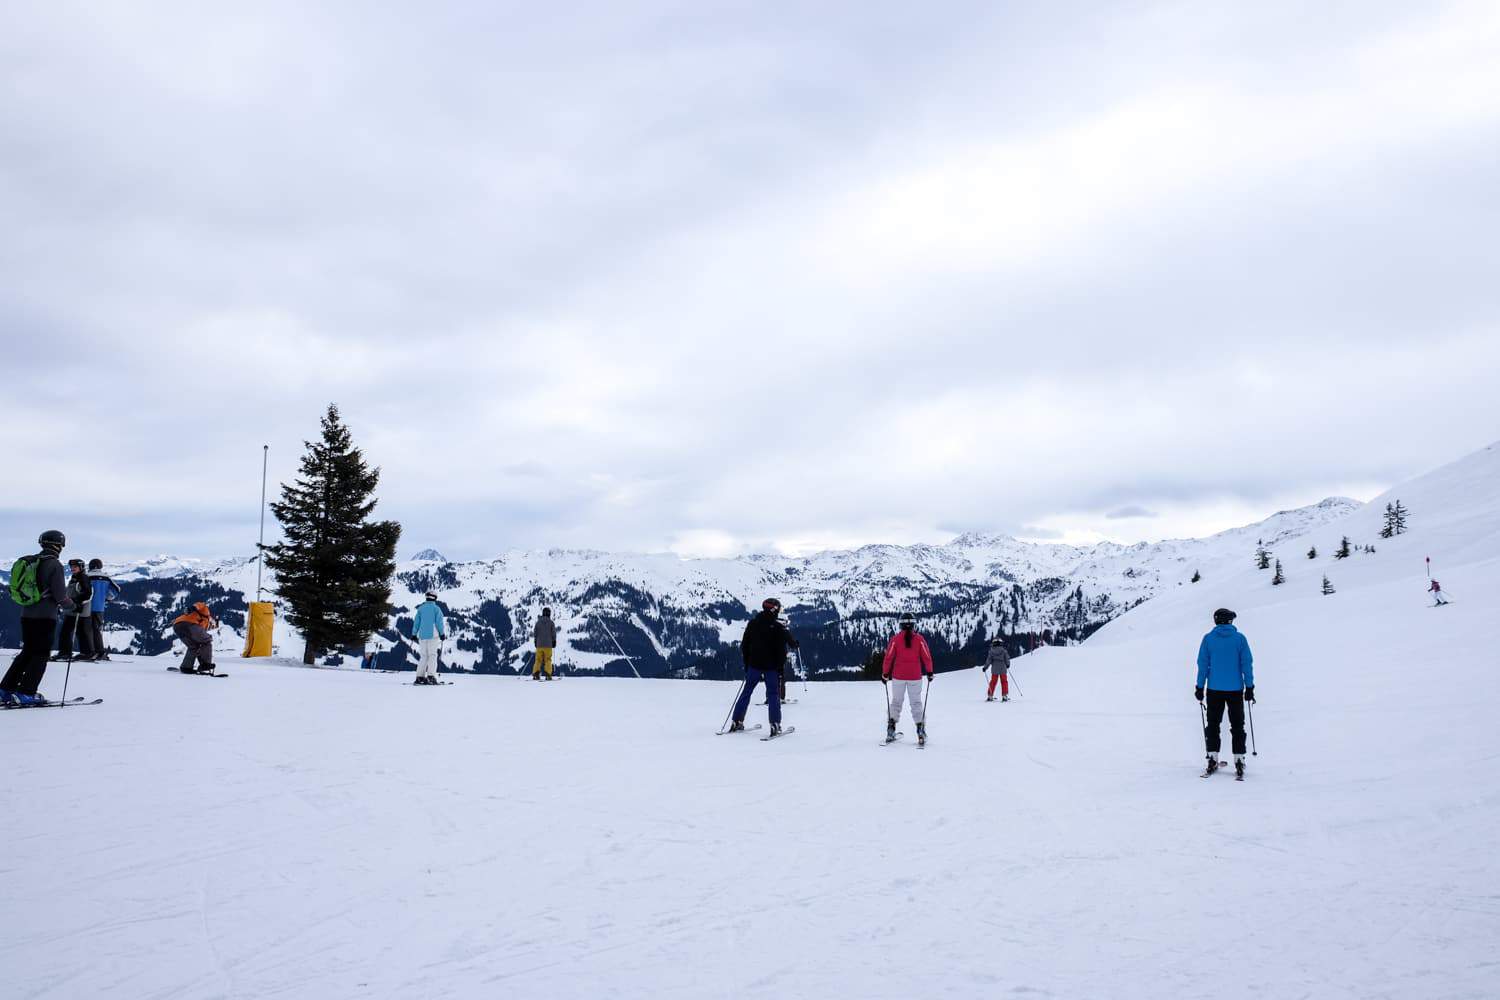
(662, 616)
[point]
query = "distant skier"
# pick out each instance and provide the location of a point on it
(430, 629)
(907, 660)
(997, 661)
(75, 623)
(544, 636)
(1438, 600)
(192, 628)
(103, 590)
(763, 648)
(1224, 668)
(39, 586)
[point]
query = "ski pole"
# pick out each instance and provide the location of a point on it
(885, 688)
(803, 669)
(926, 699)
(1014, 682)
(1251, 706)
(736, 701)
(66, 673)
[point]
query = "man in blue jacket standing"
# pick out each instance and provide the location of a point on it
(429, 629)
(1224, 669)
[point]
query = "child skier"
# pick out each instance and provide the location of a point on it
(1224, 668)
(1438, 600)
(998, 663)
(907, 659)
(429, 628)
(192, 628)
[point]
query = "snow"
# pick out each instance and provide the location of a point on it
(327, 833)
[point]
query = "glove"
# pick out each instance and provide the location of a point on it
(1198, 693)
(1250, 694)
(794, 644)
(885, 680)
(930, 677)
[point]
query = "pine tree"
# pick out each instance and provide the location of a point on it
(1262, 557)
(1196, 577)
(1312, 553)
(1343, 549)
(1278, 579)
(1398, 518)
(1327, 587)
(334, 569)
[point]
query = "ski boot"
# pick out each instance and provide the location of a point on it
(29, 700)
(890, 730)
(921, 734)
(1239, 766)
(7, 697)
(990, 698)
(1212, 765)
(736, 727)
(775, 730)
(1005, 697)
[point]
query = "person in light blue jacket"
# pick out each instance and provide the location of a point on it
(1225, 671)
(429, 628)
(105, 590)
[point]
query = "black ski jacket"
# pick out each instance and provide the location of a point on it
(766, 641)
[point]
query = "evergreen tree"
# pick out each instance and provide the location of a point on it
(1398, 518)
(1327, 587)
(1389, 527)
(1278, 579)
(334, 568)
(1343, 549)
(1262, 557)
(1312, 553)
(1196, 577)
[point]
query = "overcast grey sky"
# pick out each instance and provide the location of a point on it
(708, 277)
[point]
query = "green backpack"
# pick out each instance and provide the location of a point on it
(23, 586)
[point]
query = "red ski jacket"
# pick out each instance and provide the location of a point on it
(907, 663)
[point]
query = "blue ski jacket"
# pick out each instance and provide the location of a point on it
(429, 623)
(1224, 661)
(105, 590)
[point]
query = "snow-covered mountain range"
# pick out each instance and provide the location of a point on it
(663, 615)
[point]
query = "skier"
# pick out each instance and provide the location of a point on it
(997, 660)
(763, 649)
(1438, 600)
(192, 628)
(429, 628)
(544, 635)
(1224, 668)
(907, 659)
(104, 590)
(76, 621)
(40, 587)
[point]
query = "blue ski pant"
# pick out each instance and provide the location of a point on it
(772, 680)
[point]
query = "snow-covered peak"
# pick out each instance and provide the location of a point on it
(429, 555)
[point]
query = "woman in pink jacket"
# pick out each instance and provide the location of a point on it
(907, 658)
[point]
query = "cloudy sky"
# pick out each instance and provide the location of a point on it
(708, 277)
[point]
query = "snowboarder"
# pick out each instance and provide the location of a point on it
(430, 629)
(1438, 600)
(907, 659)
(192, 628)
(997, 660)
(1224, 669)
(39, 586)
(763, 649)
(544, 636)
(76, 622)
(104, 590)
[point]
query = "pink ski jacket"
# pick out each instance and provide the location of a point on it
(907, 663)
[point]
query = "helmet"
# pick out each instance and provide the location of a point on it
(997, 641)
(431, 595)
(52, 538)
(1223, 616)
(96, 564)
(908, 620)
(770, 604)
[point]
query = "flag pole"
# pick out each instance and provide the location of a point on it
(260, 548)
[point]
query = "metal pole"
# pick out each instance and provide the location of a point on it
(260, 548)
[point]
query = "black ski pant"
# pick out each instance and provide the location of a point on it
(96, 627)
(73, 625)
(26, 670)
(200, 647)
(1217, 702)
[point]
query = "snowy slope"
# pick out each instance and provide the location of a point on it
(295, 833)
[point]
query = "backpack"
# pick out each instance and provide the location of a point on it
(24, 589)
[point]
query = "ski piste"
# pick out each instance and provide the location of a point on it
(747, 729)
(786, 731)
(78, 702)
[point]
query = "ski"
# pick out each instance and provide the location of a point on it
(784, 701)
(747, 729)
(195, 673)
(70, 703)
(888, 742)
(433, 684)
(787, 731)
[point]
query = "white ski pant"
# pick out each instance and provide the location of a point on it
(427, 666)
(909, 691)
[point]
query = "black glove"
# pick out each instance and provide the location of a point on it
(1250, 693)
(794, 643)
(930, 677)
(885, 680)
(1198, 693)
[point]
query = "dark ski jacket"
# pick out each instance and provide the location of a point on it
(544, 633)
(52, 581)
(81, 593)
(766, 641)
